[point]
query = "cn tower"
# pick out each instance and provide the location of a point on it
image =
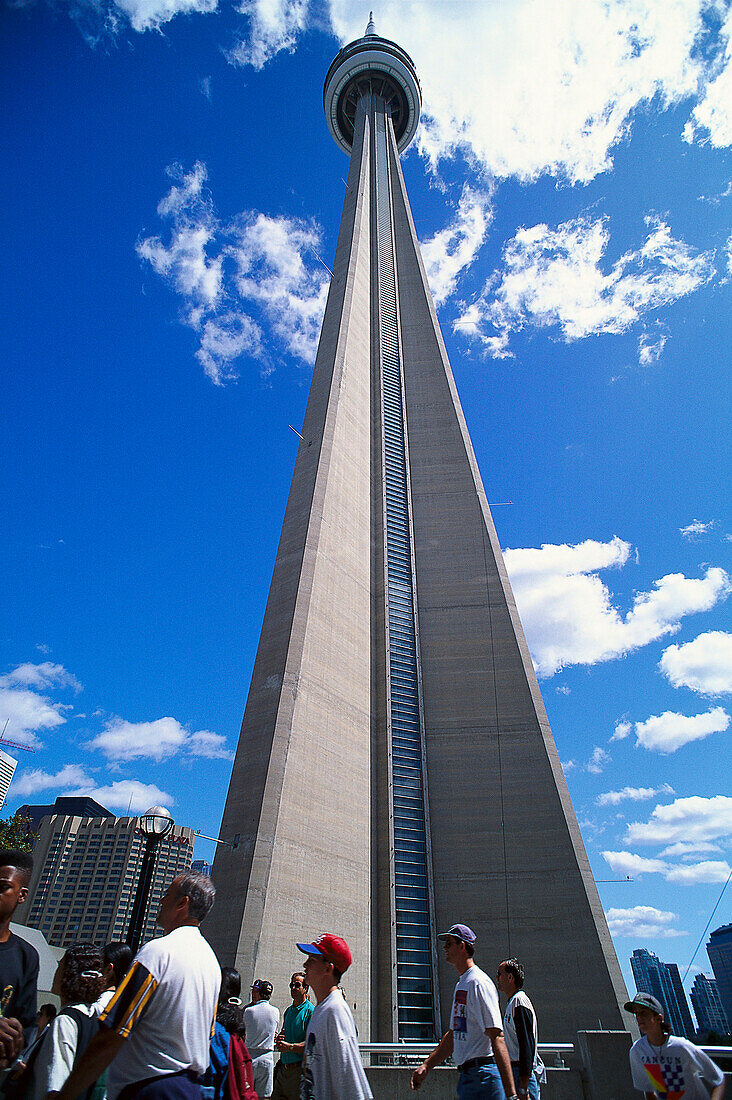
(396, 772)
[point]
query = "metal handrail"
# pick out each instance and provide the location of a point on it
(427, 1048)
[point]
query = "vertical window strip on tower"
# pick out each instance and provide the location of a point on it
(415, 979)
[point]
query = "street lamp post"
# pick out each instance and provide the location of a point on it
(155, 824)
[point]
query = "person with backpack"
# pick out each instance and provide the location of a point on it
(229, 1075)
(77, 983)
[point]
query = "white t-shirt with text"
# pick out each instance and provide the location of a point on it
(332, 1067)
(474, 1008)
(676, 1067)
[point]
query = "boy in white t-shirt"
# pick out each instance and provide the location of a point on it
(332, 1068)
(663, 1064)
(475, 1037)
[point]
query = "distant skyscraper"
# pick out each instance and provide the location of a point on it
(201, 867)
(85, 874)
(664, 982)
(708, 1006)
(719, 950)
(396, 771)
(7, 768)
(66, 806)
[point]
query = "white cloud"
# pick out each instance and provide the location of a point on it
(127, 795)
(687, 849)
(555, 278)
(568, 614)
(709, 871)
(632, 794)
(158, 740)
(642, 921)
(622, 730)
(704, 665)
(649, 350)
(27, 714)
(274, 25)
(688, 820)
(40, 676)
(210, 745)
(714, 113)
(223, 271)
(669, 731)
(30, 782)
(145, 15)
(454, 248)
(696, 529)
(628, 863)
(586, 67)
(599, 758)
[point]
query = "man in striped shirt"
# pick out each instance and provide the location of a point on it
(155, 1032)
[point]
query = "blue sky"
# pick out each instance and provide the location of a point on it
(170, 190)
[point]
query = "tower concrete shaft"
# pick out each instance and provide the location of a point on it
(396, 771)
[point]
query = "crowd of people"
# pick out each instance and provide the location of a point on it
(170, 1024)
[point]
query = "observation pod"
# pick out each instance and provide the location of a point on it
(372, 64)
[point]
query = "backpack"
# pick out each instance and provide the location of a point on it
(239, 1084)
(87, 1027)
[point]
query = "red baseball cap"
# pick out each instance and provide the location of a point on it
(331, 947)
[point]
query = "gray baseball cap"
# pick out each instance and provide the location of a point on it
(644, 1000)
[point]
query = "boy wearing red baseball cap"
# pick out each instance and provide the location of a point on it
(332, 1068)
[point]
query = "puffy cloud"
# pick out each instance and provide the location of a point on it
(27, 712)
(586, 66)
(568, 614)
(642, 921)
(704, 665)
(628, 863)
(632, 794)
(669, 731)
(454, 248)
(39, 676)
(696, 529)
(554, 278)
(274, 25)
(687, 849)
(158, 740)
(714, 113)
(30, 782)
(709, 871)
(693, 820)
(221, 271)
(127, 795)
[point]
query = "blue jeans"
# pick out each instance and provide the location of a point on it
(481, 1083)
(533, 1083)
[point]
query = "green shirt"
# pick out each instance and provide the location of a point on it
(295, 1028)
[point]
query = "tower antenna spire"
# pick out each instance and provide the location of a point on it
(370, 28)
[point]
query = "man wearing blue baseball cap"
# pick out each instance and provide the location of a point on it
(475, 1037)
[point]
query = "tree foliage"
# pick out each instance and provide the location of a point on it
(17, 832)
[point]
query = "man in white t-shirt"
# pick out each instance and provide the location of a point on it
(520, 1031)
(332, 1068)
(261, 1021)
(475, 1036)
(663, 1064)
(157, 1027)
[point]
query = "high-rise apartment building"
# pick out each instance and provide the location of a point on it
(8, 764)
(719, 950)
(86, 872)
(396, 771)
(708, 1007)
(202, 867)
(664, 982)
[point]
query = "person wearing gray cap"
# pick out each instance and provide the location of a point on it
(475, 1036)
(666, 1065)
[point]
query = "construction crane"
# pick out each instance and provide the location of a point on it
(13, 744)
